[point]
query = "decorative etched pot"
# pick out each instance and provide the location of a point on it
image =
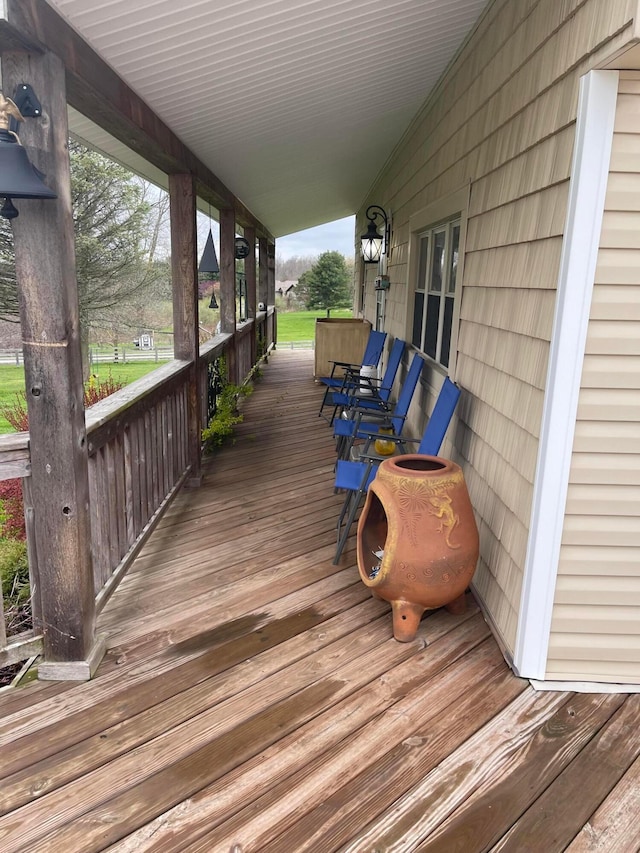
(417, 538)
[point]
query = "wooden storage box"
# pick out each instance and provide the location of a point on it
(339, 340)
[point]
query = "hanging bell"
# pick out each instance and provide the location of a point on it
(209, 260)
(19, 178)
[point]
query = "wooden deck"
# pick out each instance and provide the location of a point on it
(253, 698)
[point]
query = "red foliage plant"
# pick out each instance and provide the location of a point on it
(11, 498)
(17, 415)
(95, 390)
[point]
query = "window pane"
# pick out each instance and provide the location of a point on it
(446, 331)
(453, 263)
(422, 268)
(437, 262)
(431, 333)
(418, 308)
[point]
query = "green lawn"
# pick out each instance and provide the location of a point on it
(12, 381)
(300, 325)
(292, 326)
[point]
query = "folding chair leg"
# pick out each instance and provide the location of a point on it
(324, 401)
(349, 508)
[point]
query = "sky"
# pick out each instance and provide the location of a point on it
(332, 237)
(335, 236)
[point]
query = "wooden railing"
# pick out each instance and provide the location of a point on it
(137, 445)
(137, 460)
(245, 349)
(209, 352)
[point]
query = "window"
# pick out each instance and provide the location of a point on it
(434, 300)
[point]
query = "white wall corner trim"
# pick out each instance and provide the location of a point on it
(589, 175)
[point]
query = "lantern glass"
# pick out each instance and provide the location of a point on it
(371, 248)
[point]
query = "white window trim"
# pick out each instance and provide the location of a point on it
(587, 189)
(454, 205)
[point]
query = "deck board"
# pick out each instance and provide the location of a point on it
(253, 697)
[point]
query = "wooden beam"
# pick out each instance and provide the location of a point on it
(271, 291)
(184, 274)
(263, 272)
(228, 285)
(271, 273)
(96, 90)
(250, 272)
(45, 269)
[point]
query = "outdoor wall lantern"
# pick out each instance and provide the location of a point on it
(242, 248)
(374, 245)
(18, 177)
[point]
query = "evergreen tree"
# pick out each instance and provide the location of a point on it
(327, 284)
(116, 232)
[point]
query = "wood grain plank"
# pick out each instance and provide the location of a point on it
(479, 759)
(187, 691)
(488, 813)
(341, 777)
(247, 739)
(160, 773)
(253, 695)
(561, 812)
(615, 825)
(134, 684)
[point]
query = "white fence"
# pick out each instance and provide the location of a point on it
(122, 355)
(118, 355)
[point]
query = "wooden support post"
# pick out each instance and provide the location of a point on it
(263, 290)
(184, 274)
(228, 284)
(271, 269)
(250, 272)
(45, 269)
(263, 272)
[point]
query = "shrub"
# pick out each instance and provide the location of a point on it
(11, 510)
(14, 578)
(95, 390)
(227, 415)
(16, 413)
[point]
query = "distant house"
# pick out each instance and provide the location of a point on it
(286, 288)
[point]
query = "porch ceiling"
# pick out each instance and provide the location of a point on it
(294, 104)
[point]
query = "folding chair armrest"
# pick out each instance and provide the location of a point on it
(356, 408)
(365, 389)
(372, 457)
(373, 436)
(347, 365)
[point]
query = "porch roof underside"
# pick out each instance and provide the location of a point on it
(295, 105)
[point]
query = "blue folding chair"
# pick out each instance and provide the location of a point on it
(355, 477)
(341, 382)
(369, 392)
(371, 416)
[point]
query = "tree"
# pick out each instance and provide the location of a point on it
(116, 236)
(290, 269)
(118, 220)
(327, 284)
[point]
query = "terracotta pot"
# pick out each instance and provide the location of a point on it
(417, 538)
